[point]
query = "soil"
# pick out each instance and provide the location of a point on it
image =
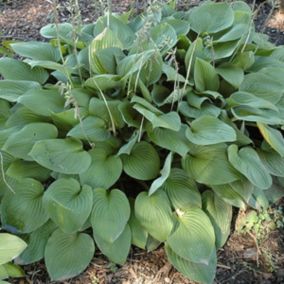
(246, 258)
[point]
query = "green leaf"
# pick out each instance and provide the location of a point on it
(107, 110)
(170, 120)
(20, 143)
(68, 204)
(12, 69)
(36, 50)
(172, 74)
(105, 168)
(249, 164)
(138, 233)
(67, 255)
(232, 74)
(152, 211)
(194, 237)
(105, 41)
(273, 162)
(118, 250)
(36, 244)
(181, 27)
(247, 99)
(121, 31)
(205, 76)
(43, 102)
(93, 129)
(22, 169)
(143, 163)
(171, 140)
(11, 90)
(208, 130)
(236, 193)
(240, 27)
(104, 82)
(62, 30)
(266, 84)
(18, 209)
(266, 116)
(182, 190)
(165, 172)
(210, 165)
(61, 155)
(220, 215)
(110, 215)
(164, 36)
(201, 272)
(10, 247)
(273, 137)
(11, 270)
(211, 17)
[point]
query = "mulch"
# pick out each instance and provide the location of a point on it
(242, 260)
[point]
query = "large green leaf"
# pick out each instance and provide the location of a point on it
(154, 214)
(104, 82)
(110, 214)
(67, 255)
(247, 99)
(43, 102)
(143, 163)
(10, 270)
(170, 120)
(205, 76)
(92, 129)
(11, 90)
(107, 110)
(12, 69)
(236, 193)
(174, 141)
(194, 237)
(22, 210)
(182, 190)
(118, 250)
(273, 137)
(23, 169)
(108, 41)
(232, 74)
(165, 172)
(201, 272)
(118, 28)
(105, 168)
(10, 247)
(210, 165)
(61, 155)
(249, 164)
(138, 233)
(36, 244)
(265, 116)
(36, 50)
(220, 214)
(164, 36)
(62, 30)
(266, 84)
(20, 143)
(208, 130)
(273, 162)
(68, 204)
(240, 27)
(211, 17)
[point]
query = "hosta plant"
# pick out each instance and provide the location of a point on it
(141, 130)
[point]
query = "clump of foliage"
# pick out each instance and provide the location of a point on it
(140, 130)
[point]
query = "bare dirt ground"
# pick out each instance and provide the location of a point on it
(246, 258)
